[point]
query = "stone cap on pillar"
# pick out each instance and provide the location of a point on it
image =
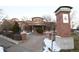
(63, 8)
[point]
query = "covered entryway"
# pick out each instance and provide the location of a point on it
(38, 28)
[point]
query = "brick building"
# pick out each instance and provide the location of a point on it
(33, 25)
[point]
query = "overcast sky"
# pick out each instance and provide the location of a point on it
(31, 8)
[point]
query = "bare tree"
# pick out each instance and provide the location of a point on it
(2, 15)
(47, 18)
(24, 18)
(73, 17)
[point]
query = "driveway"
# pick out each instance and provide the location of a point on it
(33, 44)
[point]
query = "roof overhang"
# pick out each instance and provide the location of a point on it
(63, 8)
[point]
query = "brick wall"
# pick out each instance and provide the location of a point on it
(63, 29)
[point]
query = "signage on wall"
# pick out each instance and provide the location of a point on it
(65, 18)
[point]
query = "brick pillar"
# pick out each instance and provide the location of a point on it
(63, 27)
(23, 35)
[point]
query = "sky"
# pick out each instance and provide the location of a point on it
(32, 8)
(24, 11)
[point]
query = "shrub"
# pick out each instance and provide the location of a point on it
(6, 25)
(16, 28)
(39, 30)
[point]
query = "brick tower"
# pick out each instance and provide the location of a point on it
(63, 27)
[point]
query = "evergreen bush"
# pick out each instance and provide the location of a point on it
(39, 30)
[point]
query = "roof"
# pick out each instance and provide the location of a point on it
(63, 7)
(37, 17)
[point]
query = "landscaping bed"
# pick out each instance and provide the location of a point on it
(11, 35)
